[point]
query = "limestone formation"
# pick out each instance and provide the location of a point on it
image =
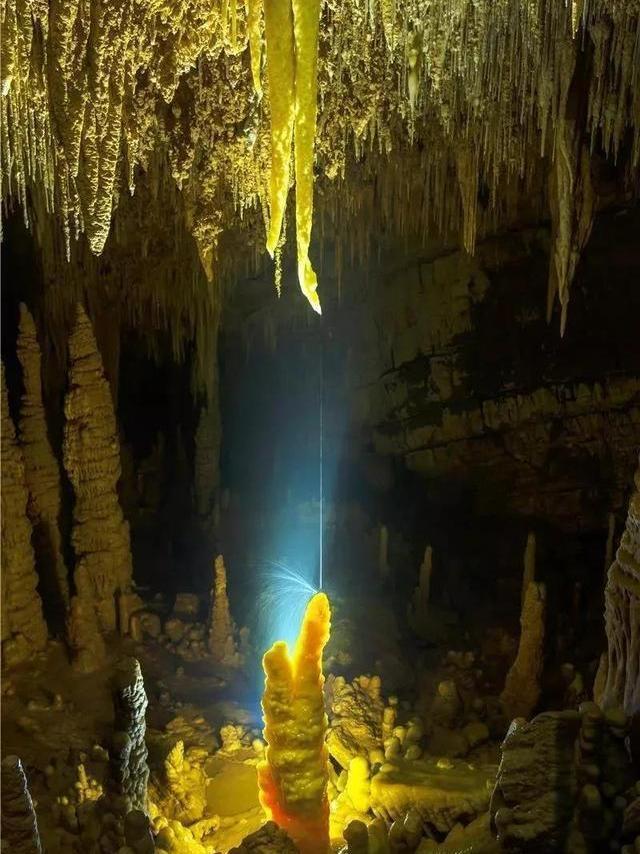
(357, 718)
(620, 670)
(42, 472)
(222, 630)
(558, 780)
(522, 685)
(19, 822)
(129, 772)
(92, 460)
(23, 628)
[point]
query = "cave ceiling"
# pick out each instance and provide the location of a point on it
(433, 116)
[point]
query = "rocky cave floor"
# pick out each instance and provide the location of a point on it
(415, 741)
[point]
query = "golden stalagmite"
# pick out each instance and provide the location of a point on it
(278, 23)
(293, 777)
(91, 454)
(42, 473)
(23, 628)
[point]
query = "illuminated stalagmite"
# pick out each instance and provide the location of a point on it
(23, 628)
(42, 472)
(293, 777)
(128, 770)
(619, 675)
(92, 460)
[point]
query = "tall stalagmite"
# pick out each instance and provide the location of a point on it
(41, 467)
(92, 460)
(23, 627)
(522, 685)
(222, 630)
(619, 675)
(293, 777)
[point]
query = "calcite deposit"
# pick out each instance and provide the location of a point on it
(92, 462)
(24, 631)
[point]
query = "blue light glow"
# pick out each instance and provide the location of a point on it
(285, 593)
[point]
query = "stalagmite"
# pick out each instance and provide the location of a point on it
(206, 463)
(419, 607)
(522, 685)
(92, 460)
(384, 570)
(529, 568)
(293, 777)
(19, 822)
(222, 630)
(619, 673)
(129, 772)
(23, 628)
(42, 473)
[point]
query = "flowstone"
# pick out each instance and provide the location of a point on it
(441, 791)
(619, 675)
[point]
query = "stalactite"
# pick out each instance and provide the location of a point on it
(23, 628)
(293, 777)
(91, 95)
(42, 473)
(92, 460)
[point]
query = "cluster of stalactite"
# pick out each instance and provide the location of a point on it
(487, 97)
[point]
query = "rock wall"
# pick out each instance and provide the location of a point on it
(619, 676)
(92, 460)
(23, 627)
(445, 364)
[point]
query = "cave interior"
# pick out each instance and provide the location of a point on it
(320, 426)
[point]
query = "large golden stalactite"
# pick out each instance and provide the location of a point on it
(291, 28)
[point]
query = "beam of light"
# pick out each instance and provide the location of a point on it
(284, 594)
